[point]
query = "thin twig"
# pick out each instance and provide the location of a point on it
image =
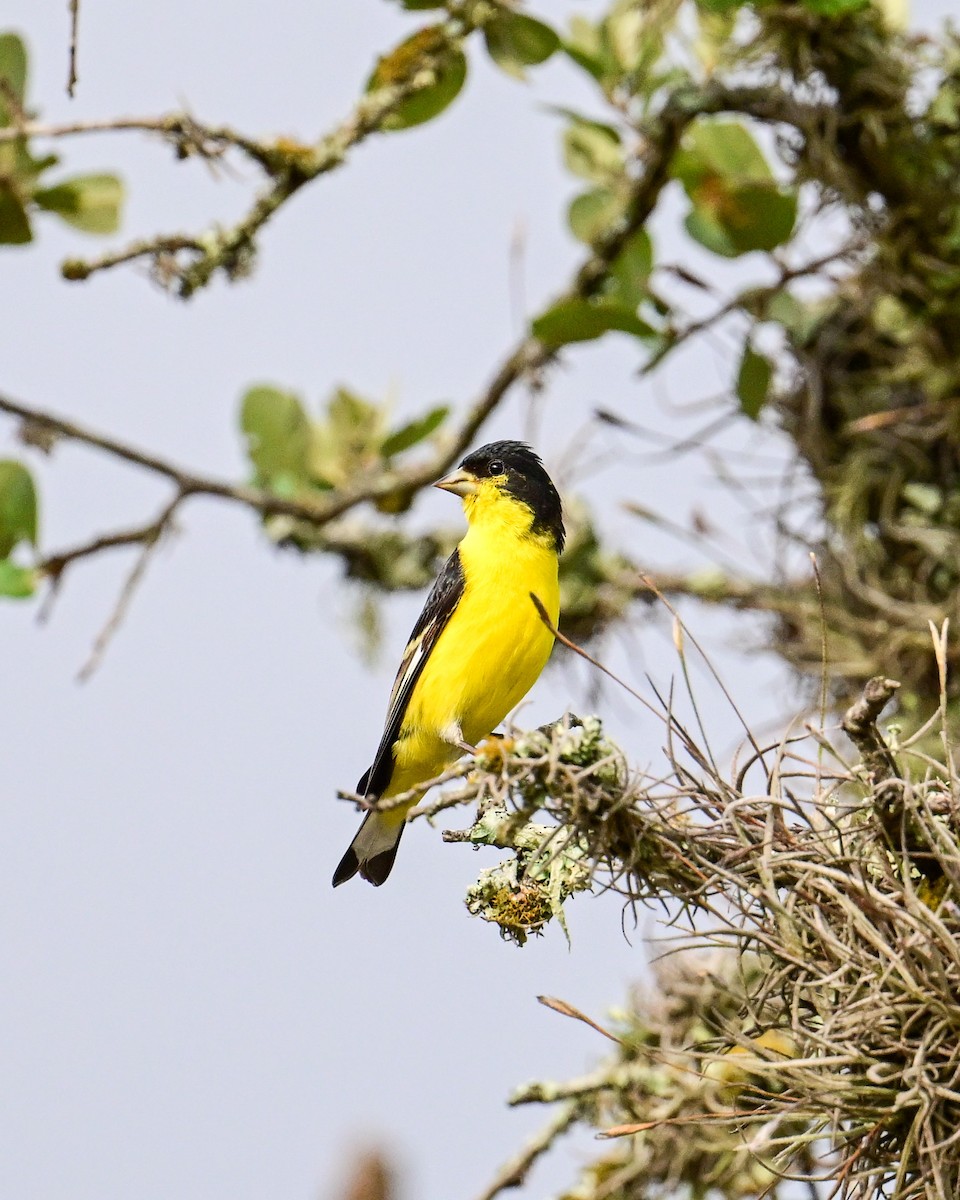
(753, 300)
(160, 250)
(188, 135)
(133, 580)
(74, 32)
(53, 565)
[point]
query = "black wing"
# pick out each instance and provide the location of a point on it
(443, 599)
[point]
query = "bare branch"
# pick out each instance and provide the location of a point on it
(54, 565)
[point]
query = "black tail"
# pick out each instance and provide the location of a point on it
(372, 852)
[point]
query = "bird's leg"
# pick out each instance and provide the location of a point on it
(453, 734)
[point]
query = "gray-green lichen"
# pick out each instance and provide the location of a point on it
(550, 862)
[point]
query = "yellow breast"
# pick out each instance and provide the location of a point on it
(493, 648)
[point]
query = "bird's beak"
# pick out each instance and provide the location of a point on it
(460, 482)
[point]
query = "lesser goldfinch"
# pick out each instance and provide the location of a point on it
(479, 644)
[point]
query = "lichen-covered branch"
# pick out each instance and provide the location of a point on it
(187, 263)
(188, 136)
(514, 1172)
(820, 1036)
(860, 726)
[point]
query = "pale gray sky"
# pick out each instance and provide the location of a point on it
(189, 1011)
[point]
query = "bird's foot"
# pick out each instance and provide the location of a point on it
(453, 735)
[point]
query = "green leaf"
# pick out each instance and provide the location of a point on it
(706, 230)
(760, 216)
(798, 318)
(715, 31)
(429, 47)
(18, 174)
(584, 47)
(23, 164)
(354, 420)
(13, 72)
(786, 310)
(592, 150)
(515, 41)
(592, 65)
(588, 46)
(431, 102)
(16, 582)
(414, 431)
(278, 435)
(631, 269)
(744, 219)
(719, 147)
(738, 206)
(421, 5)
(347, 441)
(753, 382)
(593, 213)
(88, 202)
(14, 222)
(893, 319)
(18, 506)
(579, 320)
(633, 38)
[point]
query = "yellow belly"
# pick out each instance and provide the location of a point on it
(488, 657)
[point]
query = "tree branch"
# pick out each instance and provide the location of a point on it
(290, 166)
(527, 357)
(162, 250)
(755, 300)
(189, 262)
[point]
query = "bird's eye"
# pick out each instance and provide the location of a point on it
(497, 467)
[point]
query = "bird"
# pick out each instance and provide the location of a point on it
(479, 644)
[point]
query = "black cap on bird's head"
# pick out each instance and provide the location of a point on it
(513, 468)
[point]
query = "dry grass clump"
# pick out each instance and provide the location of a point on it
(825, 1045)
(668, 1095)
